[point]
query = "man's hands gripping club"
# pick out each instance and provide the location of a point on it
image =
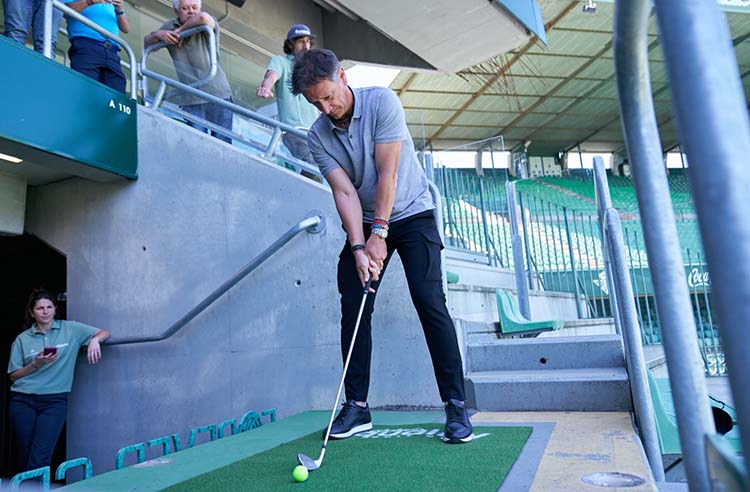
(370, 260)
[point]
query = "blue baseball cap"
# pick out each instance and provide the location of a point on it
(299, 31)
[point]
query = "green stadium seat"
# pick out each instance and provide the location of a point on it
(513, 323)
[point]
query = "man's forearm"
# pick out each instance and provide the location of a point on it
(385, 194)
(386, 160)
(269, 80)
(150, 39)
(350, 211)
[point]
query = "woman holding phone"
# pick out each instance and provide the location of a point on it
(41, 367)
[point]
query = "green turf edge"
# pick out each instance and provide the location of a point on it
(209, 456)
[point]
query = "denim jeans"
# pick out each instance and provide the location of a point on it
(22, 16)
(214, 113)
(37, 421)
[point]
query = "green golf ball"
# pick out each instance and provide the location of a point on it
(299, 474)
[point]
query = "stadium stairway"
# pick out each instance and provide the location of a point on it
(578, 368)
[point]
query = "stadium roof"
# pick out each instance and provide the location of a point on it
(557, 97)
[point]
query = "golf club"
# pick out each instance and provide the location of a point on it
(303, 459)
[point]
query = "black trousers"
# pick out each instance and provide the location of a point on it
(37, 421)
(417, 241)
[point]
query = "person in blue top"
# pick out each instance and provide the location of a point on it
(293, 109)
(91, 53)
(41, 367)
(362, 145)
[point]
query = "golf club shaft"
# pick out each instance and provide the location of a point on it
(346, 367)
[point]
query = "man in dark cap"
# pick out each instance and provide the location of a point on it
(294, 110)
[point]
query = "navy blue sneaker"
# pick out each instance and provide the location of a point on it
(351, 420)
(458, 428)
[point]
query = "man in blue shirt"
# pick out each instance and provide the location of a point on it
(293, 109)
(364, 150)
(91, 53)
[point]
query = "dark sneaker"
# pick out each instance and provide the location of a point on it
(458, 428)
(351, 419)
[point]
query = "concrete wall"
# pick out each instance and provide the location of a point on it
(12, 204)
(141, 254)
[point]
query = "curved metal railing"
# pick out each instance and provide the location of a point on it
(50, 4)
(212, 60)
(313, 223)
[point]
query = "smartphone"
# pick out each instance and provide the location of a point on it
(50, 351)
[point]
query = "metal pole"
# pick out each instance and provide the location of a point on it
(603, 203)
(641, 134)
(573, 265)
(588, 265)
(712, 119)
(631, 270)
(714, 340)
(636, 361)
(521, 286)
(449, 207)
(48, 10)
(525, 229)
(485, 223)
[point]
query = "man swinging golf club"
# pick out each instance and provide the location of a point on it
(363, 148)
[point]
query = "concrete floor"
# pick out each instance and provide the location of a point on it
(582, 444)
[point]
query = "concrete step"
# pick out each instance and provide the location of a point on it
(477, 303)
(597, 389)
(598, 326)
(514, 354)
(595, 326)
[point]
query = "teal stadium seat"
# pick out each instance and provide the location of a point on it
(513, 323)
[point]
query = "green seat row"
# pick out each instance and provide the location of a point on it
(512, 321)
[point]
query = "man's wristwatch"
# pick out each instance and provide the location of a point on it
(380, 231)
(119, 12)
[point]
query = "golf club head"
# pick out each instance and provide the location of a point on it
(307, 462)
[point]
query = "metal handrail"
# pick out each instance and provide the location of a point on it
(313, 223)
(212, 59)
(641, 135)
(712, 122)
(635, 360)
(277, 125)
(236, 137)
(48, 6)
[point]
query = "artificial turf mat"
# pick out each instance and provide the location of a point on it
(394, 458)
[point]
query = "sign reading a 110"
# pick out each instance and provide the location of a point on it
(123, 108)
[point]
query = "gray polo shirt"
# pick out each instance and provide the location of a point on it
(378, 118)
(191, 63)
(68, 337)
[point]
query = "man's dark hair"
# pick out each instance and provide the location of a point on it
(289, 45)
(312, 67)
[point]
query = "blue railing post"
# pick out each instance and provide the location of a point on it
(712, 120)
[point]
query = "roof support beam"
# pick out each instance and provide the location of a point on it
(492, 80)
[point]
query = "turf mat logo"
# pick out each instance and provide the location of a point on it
(411, 432)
